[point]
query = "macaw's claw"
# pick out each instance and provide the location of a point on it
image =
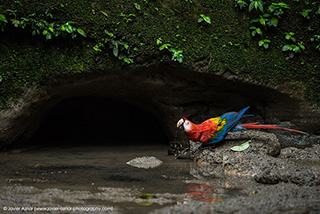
(209, 147)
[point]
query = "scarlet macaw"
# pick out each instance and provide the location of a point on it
(213, 130)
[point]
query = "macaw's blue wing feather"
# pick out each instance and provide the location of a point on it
(233, 118)
(228, 121)
(247, 115)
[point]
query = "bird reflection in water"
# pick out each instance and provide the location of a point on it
(202, 192)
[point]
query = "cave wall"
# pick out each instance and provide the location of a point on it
(168, 92)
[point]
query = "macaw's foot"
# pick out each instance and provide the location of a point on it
(184, 153)
(210, 147)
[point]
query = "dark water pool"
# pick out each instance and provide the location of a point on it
(99, 177)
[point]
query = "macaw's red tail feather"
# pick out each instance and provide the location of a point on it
(256, 126)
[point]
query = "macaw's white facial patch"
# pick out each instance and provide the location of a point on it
(187, 126)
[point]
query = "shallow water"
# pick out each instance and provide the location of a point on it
(99, 176)
(96, 179)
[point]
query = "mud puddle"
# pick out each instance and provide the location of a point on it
(97, 179)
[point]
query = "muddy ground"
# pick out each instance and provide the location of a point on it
(265, 178)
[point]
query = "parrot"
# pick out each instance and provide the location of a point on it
(213, 130)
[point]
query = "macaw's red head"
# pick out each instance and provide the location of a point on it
(184, 124)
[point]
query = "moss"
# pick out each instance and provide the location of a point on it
(28, 60)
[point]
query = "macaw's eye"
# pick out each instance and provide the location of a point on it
(187, 123)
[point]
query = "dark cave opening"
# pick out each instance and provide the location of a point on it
(98, 121)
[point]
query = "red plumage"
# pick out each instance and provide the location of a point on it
(213, 130)
(261, 126)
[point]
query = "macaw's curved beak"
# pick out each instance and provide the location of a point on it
(180, 124)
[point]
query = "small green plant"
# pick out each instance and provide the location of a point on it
(266, 14)
(242, 4)
(305, 13)
(98, 47)
(204, 18)
(176, 54)
(53, 29)
(294, 47)
(257, 4)
(118, 47)
(316, 38)
(277, 8)
(263, 20)
(137, 6)
(128, 18)
(42, 26)
(264, 43)
(310, 28)
(318, 11)
(267, 20)
(3, 21)
(289, 36)
(255, 31)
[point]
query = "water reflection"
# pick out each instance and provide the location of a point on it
(201, 192)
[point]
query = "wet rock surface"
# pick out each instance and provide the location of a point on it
(264, 161)
(310, 153)
(145, 162)
(287, 139)
(261, 143)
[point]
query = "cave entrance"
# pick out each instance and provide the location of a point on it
(98, 121)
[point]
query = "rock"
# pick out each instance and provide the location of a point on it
(275, 170)
(261, 143)
(288, 139)
(259, 161)
(312, 153)
(145, 162)
(175, 148)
